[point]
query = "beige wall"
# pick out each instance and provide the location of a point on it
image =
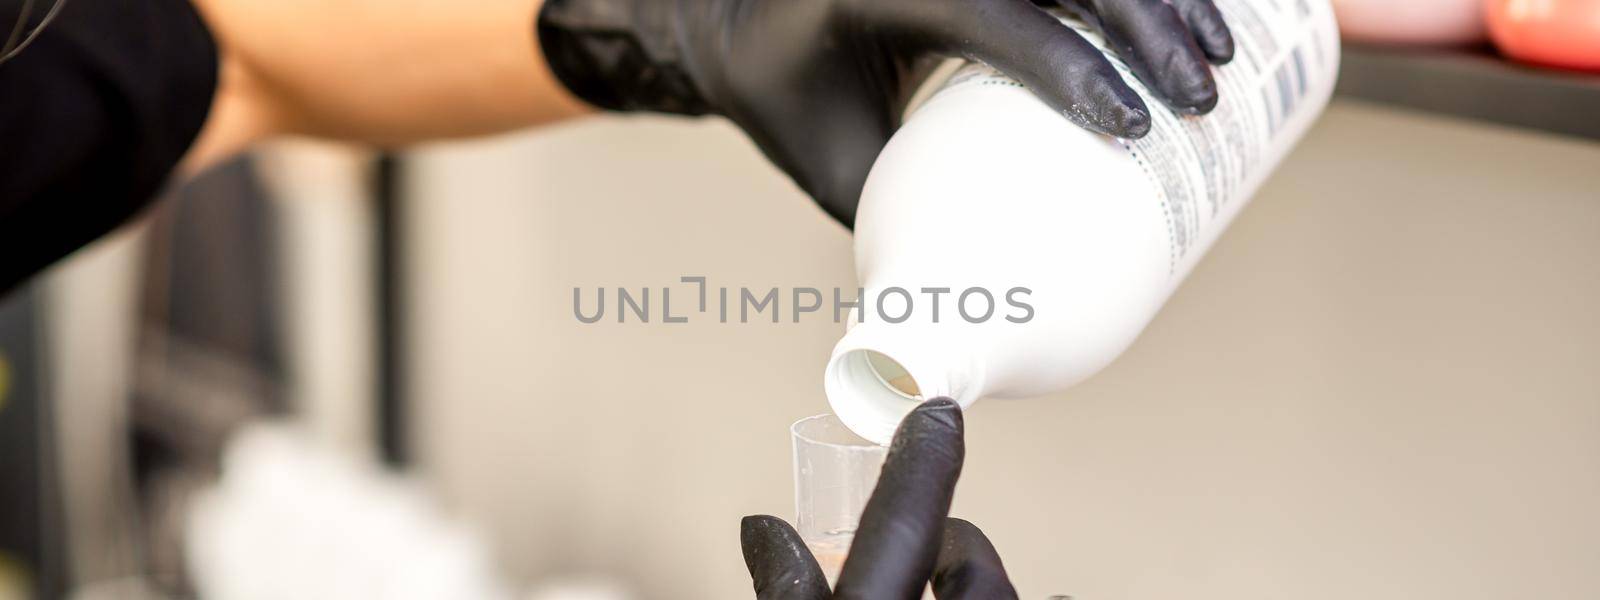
(1382, 383)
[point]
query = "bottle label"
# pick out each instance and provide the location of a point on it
(1285, 55)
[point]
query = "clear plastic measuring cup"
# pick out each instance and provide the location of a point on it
(834, 474)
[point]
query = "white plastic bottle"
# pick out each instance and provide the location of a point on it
(987, 192)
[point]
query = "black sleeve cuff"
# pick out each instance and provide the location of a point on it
(95, 115)
(615, 54)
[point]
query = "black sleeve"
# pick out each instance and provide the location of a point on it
(93, 117)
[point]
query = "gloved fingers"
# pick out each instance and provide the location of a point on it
(898, 541)
(1153, 39)
(969, 567)
(1056, 63)
(781, 566)
(1210, 31)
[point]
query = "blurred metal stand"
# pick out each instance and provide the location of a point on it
(391, 410)
(32, 539)
(209, 351)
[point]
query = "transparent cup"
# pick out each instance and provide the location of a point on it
(834, 473)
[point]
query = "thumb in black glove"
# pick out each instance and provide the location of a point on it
(820, 85)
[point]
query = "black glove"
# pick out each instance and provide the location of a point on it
(821, 84)
(905, 539)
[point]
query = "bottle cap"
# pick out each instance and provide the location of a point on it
(879, 372)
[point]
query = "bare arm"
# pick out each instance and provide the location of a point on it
(384, 72)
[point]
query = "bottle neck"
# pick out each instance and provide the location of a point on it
(879, 372)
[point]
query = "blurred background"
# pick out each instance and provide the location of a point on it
(319, 372)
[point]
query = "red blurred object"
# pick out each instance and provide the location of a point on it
(1557, 33)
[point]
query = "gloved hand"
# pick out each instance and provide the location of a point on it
(905, 539)
(821, 84)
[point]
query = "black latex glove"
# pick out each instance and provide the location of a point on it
(905, 539)
(821, 84)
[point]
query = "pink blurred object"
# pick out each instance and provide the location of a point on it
(1411, 22)
(1557, 33)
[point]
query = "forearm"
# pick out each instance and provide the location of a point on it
(385, 72)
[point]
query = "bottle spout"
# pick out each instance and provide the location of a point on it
(879, 373)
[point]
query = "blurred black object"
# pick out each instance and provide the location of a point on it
(1473, 83)
(94, 116)
(32, 539)
(391, 411)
